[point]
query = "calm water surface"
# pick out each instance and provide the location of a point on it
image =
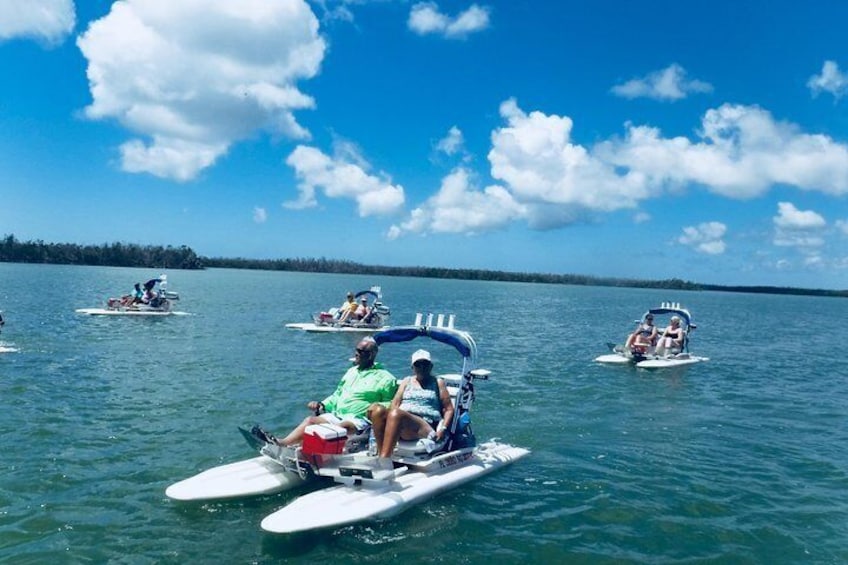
(739, 460)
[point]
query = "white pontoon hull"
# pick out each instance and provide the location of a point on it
(371, 500)
(651, 361)
(117, 312)
(668, 362)
(326, 328)
(250, 477)
(614, 359)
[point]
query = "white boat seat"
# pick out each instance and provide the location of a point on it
(453, 382)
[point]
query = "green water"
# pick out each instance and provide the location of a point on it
(738, 460)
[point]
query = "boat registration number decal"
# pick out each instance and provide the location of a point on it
(454, 460)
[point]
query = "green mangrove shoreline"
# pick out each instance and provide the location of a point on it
(183, 257)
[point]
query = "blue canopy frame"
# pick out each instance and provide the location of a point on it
(684, 314)
(371, 293)
(459, 340)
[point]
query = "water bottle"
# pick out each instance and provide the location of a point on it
(372, 443)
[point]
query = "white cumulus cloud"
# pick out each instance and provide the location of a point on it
(830, 80)
(452, 143)
(551, 180)
(666, 84)
(46, 21)
(790, 217)
(842, 226)
(191, 78)
(705, 238)
(743, 151)
(426, 18)
(343, 176)
(460, 207)
(260, 215)
(534, 155)
(797, 228)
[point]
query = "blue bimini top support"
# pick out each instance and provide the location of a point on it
(459, 340)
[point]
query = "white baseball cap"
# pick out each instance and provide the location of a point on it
(421, 354)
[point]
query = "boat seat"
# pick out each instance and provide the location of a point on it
(453, 381)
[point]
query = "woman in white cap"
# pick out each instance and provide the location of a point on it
(420, 409)
(672, 337)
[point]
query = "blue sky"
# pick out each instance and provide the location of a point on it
(656, 139)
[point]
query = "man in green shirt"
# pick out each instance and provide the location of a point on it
(361, 386)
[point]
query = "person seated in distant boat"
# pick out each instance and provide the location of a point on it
(373, 315)
(148, 295)
(138, 294)
(421, 409)
(672, 338)
(125, 300)
(363, 387)
(346, 309)
(643, 337)
(134, 297)
(362, 311)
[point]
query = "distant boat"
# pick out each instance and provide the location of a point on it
(332, 320)
(662, 353)
(156, 301)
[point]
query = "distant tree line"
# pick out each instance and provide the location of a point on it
(107, 254)
(777, 290)
(324, 265)
(183, 257)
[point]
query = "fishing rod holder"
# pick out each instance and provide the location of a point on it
(440, 320)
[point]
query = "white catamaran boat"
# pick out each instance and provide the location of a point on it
(364, 489)
(135, 305)
(662, 353)
(332, 320)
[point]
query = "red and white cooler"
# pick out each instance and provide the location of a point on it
(324, 439)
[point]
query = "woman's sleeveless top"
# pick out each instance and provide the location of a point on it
(423, 402)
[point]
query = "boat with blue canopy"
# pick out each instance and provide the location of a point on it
(360, 486)
(374, 316)
(150, 299)
(657, 346)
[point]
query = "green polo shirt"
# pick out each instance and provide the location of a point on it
(358, 389)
